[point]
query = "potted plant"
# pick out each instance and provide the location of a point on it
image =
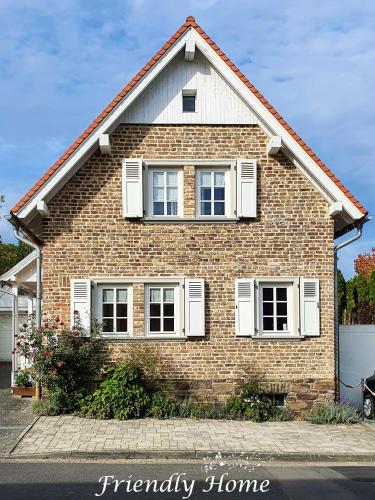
(23, 386)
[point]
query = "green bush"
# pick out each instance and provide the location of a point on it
(332, 413)
(161, 406)
(121, 395)
(251, 404)
(23, 379)
(45, 407)
(281, 414)
(208, 411)
(62, 360)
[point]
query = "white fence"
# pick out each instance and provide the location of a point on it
(356, 359)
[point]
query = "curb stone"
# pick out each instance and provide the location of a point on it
(199, 455)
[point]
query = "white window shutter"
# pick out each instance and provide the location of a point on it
(309, 307)
(246, 188)
(244, 307)
(132, 188)
(194, 308)
(80, 303)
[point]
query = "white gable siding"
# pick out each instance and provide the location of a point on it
(216, 103)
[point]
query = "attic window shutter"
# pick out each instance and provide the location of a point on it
(81, 304)
(194, 308)
(244, 307)
(246, 188)
(309, 305)
(132, 189)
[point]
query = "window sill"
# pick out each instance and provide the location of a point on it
(278, 337)
(190, 220)
(151, 338)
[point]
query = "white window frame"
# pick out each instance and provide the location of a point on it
(114, 287)
(189, 93)
(292, 285)
(229, 186)
(180, 191)
(178, 309)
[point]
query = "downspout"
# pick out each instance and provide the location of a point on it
(338, 247)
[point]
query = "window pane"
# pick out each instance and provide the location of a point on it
(282, 324)
(172, 179)
(159, 208)
(168, 324)
(219, 193)
(172, 208)
(219, 178)
(268, 308)
(122, 310)
(172, 194)
(158, 194)
(168, 309)
(281, 294)
(267, 293)
(122, 296)
(155, 325)
(205, 179)
(206, 208)
(188, 103)
(168, 295)
(107, 295)
(107, 325)
(205, 193)
(282, 308)
(121, 325)
(155, 295)
(268, 324)
(107, 310)
(154, 309)
(158, 179)
(219, 208)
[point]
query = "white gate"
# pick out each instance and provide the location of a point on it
(356, 359)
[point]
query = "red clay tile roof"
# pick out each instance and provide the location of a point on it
(190, 22)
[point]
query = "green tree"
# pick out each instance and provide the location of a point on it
(371, 287)
(11, 254)
(341, 296)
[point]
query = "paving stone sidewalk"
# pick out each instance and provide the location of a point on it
(192, 438)
(15, 414)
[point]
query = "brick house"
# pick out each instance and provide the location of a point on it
(190, 216)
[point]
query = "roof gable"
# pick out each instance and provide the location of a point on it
(305, 158)
(216, 101)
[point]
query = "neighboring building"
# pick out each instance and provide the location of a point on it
(17, 291)
(189, 215)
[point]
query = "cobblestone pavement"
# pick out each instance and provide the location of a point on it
(15, 413)
(66, 434)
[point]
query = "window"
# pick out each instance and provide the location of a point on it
(188, 101)
(275, 308)
(162, 309)
(114, 310)
(165, 192)
(212, 191)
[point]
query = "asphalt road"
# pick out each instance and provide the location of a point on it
(67, 480)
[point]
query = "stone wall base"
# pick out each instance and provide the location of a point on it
(299, 394)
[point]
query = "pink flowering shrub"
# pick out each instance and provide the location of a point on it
(63, 360)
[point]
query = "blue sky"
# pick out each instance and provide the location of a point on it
(62, 62)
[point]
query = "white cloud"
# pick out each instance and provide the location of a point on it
(62, 62)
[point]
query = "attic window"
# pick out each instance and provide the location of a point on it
(188, 101)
